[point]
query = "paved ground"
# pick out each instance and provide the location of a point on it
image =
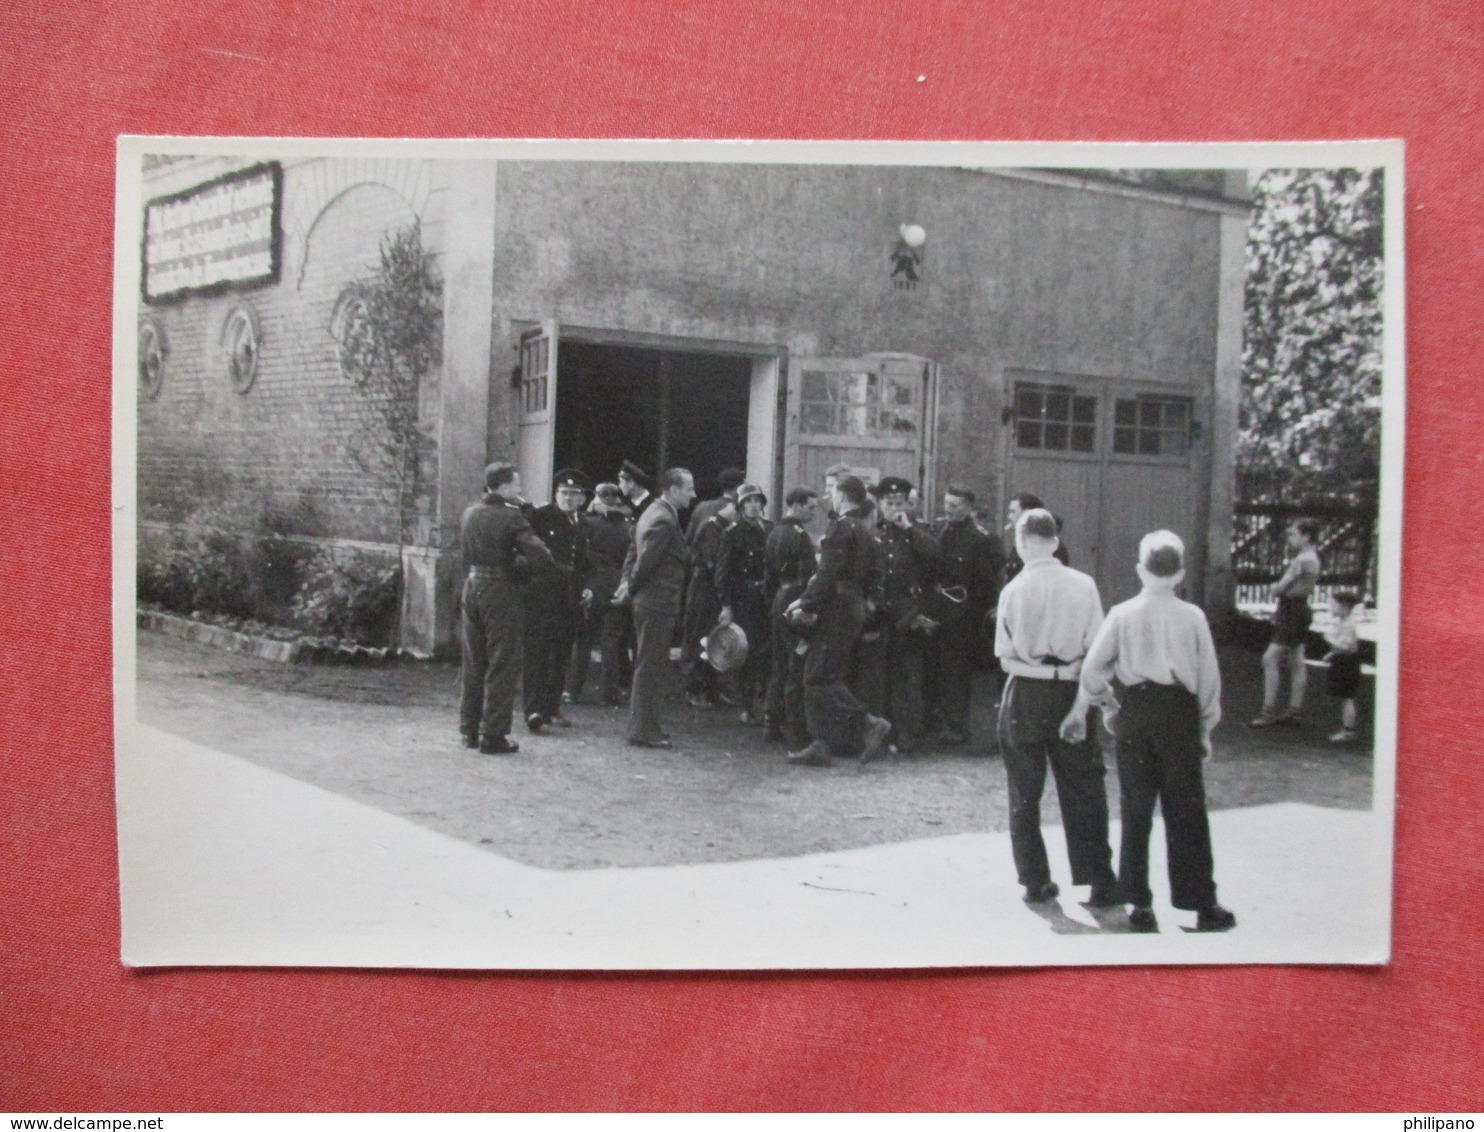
(583, 799)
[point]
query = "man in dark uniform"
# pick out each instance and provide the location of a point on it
(554, 602)
(789, 564)
(741, 584)
(702, 606)
(836, 598)
(634, 482)
(892, 665)
(606, 532)
(653, 579)
(500, 548)
(969, 570)
(728, 480)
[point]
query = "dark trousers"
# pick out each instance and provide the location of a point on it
(1159, 759)
(835, 717)
(492, 651)
(751, 615)
(653, 628)
(949, 676)
(889, 674)
(786, 676)
(609, 625)
(551, 630)
(1031, 712)
(702, 607)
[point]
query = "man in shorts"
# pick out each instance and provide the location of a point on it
(1290, 627)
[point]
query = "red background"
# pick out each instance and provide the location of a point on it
(79, 1033)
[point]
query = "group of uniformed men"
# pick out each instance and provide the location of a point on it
(868, 640)
(920, 596)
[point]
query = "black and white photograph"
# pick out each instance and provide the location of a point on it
(756, 555)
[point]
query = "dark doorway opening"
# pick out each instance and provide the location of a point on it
(659, 408)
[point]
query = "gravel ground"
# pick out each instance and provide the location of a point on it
(582, 798)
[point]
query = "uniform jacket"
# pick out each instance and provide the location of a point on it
(561, 532)
(494, 532)
(849, 560)
(657, 569)
(789, 557)
(741, 564)
(971, 559)
(606, 540)
(910, 570)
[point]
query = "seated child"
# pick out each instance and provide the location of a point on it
(1344, 662)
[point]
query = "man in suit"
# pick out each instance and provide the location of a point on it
(554, 601)
(654, 577)
(500, 549)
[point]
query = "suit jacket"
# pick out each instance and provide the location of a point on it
(656, 573)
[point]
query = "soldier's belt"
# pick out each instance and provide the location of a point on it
(1071, 670)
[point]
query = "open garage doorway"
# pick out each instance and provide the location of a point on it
(659, 408)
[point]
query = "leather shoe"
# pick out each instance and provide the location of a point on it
(877, 730)
(535, 721)
(499, 745)
(815, 754)
(1041, 893)
(471, 740)
(1142, 920)
(1214, 919)
(1103, 896)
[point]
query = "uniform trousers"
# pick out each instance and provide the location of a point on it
(1031, 712)
(1159, 759)
(653, 629)
(492, 651)
(702, 607)
(609, 625)
(786, 677)
(751, 615)
(950, 674)
(889, 673)
(551, 631)
(835, 717)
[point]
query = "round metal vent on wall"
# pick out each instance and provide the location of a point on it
(152, 351)
(240, 345)
(350, 327)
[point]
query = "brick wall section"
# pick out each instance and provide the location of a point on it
(290, 441)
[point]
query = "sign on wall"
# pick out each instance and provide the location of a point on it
(218, 235)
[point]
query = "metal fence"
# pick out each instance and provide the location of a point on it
(1346, 544)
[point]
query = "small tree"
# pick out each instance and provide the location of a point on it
(391, 337)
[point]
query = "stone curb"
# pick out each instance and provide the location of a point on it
(264, 648)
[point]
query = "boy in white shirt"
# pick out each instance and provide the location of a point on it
(1344, 662)
(1160, 649)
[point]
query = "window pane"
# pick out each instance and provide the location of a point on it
(1084, 409)
(816, 417)
(1027, 402)
(815, 387)
(1126, 412)
(1148, 442)
(1028, 434)
(1148, 412)
(1175, 415)
(1123, 440)
(1082, 438)
(1056, 436)
(1058, 406)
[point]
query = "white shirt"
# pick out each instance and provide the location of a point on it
(1156, 638)
(1047, 610)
